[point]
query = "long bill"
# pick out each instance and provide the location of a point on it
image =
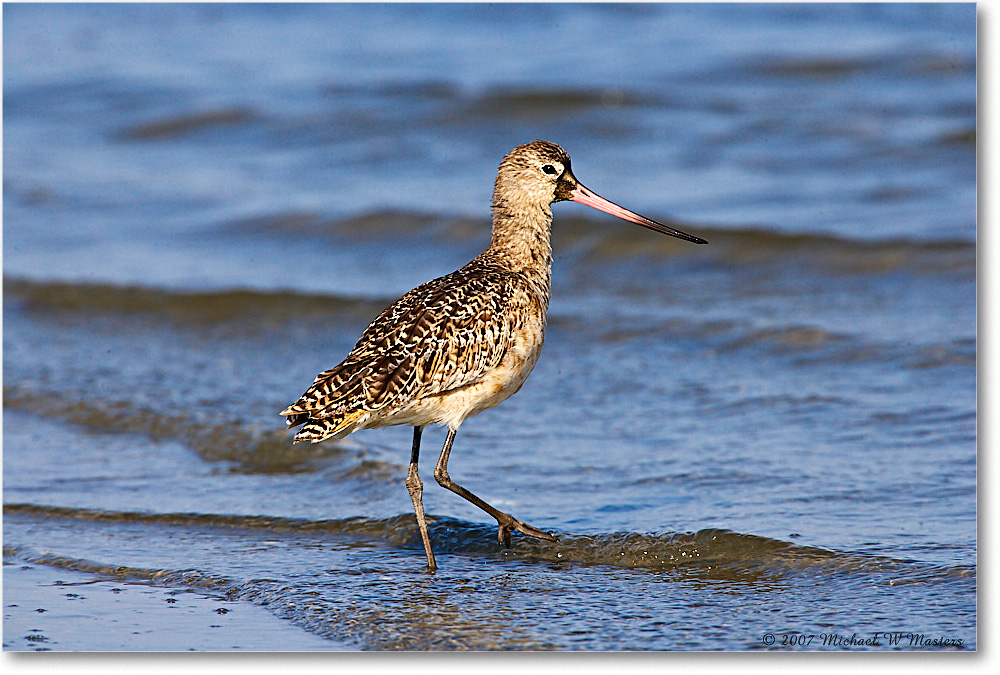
(584, 196)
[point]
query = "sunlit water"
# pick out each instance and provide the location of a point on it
(772, 434)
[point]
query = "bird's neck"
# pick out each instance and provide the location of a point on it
(521, 238)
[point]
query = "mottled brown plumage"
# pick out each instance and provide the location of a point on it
(464, 342)
(440, 338)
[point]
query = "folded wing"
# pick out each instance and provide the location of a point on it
(442, 335)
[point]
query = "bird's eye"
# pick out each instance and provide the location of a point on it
(549, 169)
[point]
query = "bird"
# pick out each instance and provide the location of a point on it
(464, 342)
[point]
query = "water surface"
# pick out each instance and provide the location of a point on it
(773, 434)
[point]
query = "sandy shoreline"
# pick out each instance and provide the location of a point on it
(52, 609)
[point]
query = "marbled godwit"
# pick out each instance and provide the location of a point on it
(460, 344)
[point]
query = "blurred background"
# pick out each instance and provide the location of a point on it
(204, 205)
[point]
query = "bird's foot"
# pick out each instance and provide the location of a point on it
(508, 525)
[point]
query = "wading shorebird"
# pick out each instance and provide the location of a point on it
(460, 344)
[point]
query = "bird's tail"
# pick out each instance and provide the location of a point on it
(318, 429)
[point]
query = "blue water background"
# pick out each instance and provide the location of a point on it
(205, 204)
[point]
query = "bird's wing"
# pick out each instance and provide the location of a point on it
(445, 334)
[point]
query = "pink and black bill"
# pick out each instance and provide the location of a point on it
(571, 189)
(583, 195)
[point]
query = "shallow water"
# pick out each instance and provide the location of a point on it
(773, 434)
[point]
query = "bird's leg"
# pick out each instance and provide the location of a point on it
(505, 522)
(416, 488)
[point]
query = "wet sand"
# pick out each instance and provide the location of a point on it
(49, 609)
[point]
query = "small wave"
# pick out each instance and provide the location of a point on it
(253, 450)
(529, 102)
(371, 224)
(584, 238)
(926, 64)
(183, 306)
(962, 137)
(960, 352)
(601, 239)
(821, 252)
(812, 68)
(712, 553)
(814, 345)
(393, 529)
(786, 339)
(796, 404)
(598, 238)
(189, 578)
(180, 125)
(413, 90)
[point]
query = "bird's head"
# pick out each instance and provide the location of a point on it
(538, 174)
